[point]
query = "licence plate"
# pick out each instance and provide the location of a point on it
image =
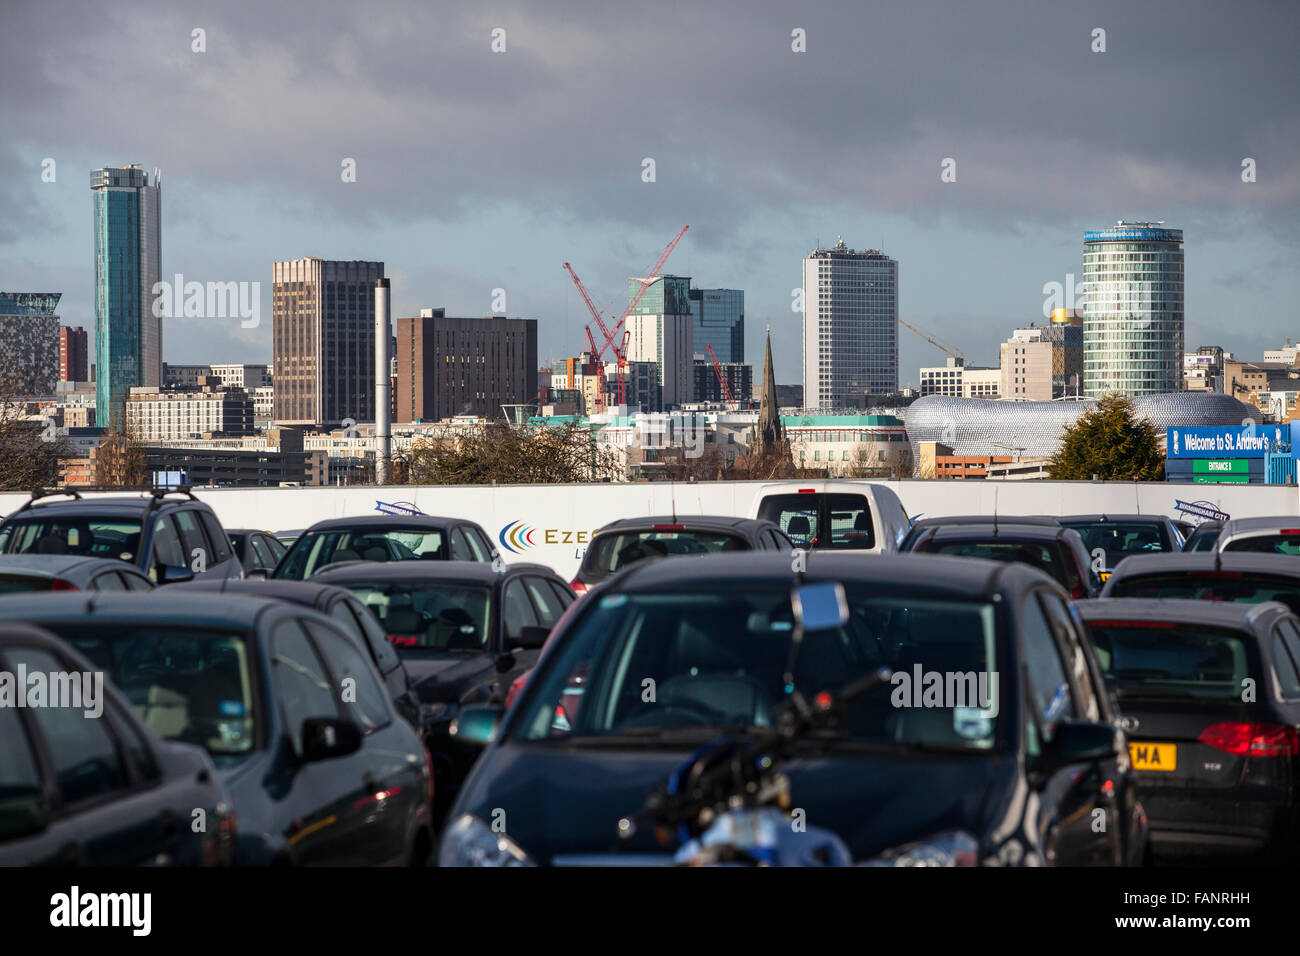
(1104, 575)
(1146, 756)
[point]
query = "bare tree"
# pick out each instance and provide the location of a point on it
(506, 454)
(120, 462)
(30, 448)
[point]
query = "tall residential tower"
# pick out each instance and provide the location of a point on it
(850, 325)
(128, 262)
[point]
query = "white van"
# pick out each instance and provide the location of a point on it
(838, 515)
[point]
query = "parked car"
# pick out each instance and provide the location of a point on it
(1210, 696)
(1208, 576)
(1204, 537)
(463, 631)
(834, 515)
(668, 655)
(921, 525)
(1185, 528)
(384, 538)
(169, 535)
(256, 550)
(317, 775)
(1279, 535)
(1110, 539)
(67, 572)
(346, 611)
(1054, 550)
(622, 543)
(287, 538)
(88, 783)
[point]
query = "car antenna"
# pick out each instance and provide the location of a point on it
(995, 511)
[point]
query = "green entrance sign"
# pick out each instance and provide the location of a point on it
(1221, 466)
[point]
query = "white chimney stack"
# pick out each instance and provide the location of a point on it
(383, 386)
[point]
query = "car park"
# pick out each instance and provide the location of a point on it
(1111, 539)
(68, 572)
(350, 615)
(170, 535)
(834, 515)
(620, 544)
(85, 782)
(1210, 696)
(384, 538)
(1279, 535)
(464, 633)
(256, 550)
(1243, 578)
(588, 738)
(920, 525)
(1053, 549)
(318, 764)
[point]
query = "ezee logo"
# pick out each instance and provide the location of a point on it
(517, 536)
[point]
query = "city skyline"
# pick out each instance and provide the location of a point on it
(1036, 163)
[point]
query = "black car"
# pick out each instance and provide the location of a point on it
(88, 783)
(319, 765)
(69, 572)
(343, 607)
(1055, 550)
(463, 631)
(1236, 576)
(1210, 697)
(384, 538)
(256, 550)
(1111, 539)
(620, 544)
(668, 655)
(169, 535)
(1204, 537)
(921, 525)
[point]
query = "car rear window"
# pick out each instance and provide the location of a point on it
(1266, 544)
(1235, 586)
(1203, 540)
(314, 550)
(1164, 659)
(1032, 553)
(801, 517)
(1120, 537)
(614, 550)
(17, 583)
(86, 535)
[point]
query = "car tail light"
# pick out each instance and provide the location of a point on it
(58, 584)
(807, 491)
(1251, 740)
(1290, 531)
(578, 586)
(403, 640)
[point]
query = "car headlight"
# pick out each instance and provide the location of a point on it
(470, 842)
(949, 848)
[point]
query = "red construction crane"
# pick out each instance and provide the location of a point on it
(722, 379)
(620, 352)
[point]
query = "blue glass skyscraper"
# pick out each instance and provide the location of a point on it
(128, 253)
(719, 317)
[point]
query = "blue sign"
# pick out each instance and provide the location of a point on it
(1133, 235)
(1224, 441)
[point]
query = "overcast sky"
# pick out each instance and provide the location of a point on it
(478, 170)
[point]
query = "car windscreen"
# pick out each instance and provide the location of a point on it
(614, 550)
(1236, 586)
(1280, 543)
(188, 683)
(1164, 659)
(638, 666)
(419, 616)
(87, 535)
(1119, 539)
(314, 550)
(1033, 553)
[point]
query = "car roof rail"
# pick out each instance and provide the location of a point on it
(39, 493)
(160, 493)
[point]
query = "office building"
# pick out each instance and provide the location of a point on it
(128, 263)
(1133, 309)
(661, 330)
(74, 355)
(960, 380)
(155, 415)
(324, 340)
(739, 377)
(718, 317)
(448, 366)
(29, 343)
(1026, 371)
(850, 325)
(640, 386)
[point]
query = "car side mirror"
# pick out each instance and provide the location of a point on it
(175, 574)
(326, 737)
(477, 724)
(1079, 741)
(531, 638)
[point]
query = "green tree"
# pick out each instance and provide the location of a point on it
(1110, 441)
